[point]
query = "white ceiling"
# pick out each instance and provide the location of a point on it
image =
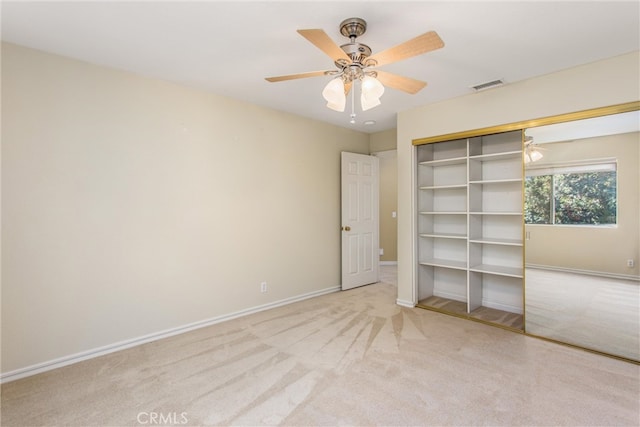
(230, 47)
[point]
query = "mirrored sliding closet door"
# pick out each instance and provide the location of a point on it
(582, 233)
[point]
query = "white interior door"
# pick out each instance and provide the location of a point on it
(360, 222)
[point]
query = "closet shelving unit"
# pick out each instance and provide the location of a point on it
(470, 228)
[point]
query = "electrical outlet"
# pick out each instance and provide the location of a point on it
(630, 263)
(381, 251)
(263, 287)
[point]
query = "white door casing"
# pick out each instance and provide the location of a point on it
(360, 220)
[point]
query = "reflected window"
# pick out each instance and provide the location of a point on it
(584, 194)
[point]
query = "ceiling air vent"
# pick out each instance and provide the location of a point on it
(488, 85)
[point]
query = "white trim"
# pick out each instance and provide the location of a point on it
(413, 226)
(403, 303)
(578, 166)
(388, 262)
(122, 345)
(587, 272)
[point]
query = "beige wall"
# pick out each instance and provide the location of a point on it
(383, 144)
(383, 141)
(132, 206)
(388, 204)
(597, 249)
(612, 81)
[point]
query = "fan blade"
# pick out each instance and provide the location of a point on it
(322, 41)
(417, 46)
(404, 84)
(296, 76)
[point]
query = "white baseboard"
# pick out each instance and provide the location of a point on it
(122, 345)
(404, 303)
(587, 272)
(388, 262)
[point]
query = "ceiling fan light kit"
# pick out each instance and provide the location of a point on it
(370, 92)
(532, 155)
(334, 94)
(355, 61)
(531, 151)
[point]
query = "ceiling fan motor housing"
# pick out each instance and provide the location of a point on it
(357, 52)
(353, 27)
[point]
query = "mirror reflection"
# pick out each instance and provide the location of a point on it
(582, 231)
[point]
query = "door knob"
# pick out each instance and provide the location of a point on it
(347, 228)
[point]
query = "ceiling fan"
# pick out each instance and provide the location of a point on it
(354, 61)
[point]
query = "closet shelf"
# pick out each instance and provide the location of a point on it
(496, 213)
(444, 235)
(492, 241)
(445, 162)
(443, 213)
(446, 263)
(497, 156)
(443, 187)
(495, 181)
(498, 270)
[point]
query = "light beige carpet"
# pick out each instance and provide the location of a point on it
(348, 358)
(590, 311)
